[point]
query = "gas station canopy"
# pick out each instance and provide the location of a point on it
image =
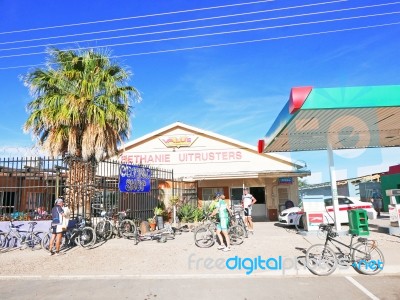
(343, 118)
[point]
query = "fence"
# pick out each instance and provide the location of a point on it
(29, 186)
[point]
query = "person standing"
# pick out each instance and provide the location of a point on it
(247, 201)
(57, 214)
(222, 228)
(377, 202)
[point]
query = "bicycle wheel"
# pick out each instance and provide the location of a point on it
(321, 260)
(33, 241)
(104, 230)
(127, 229)
(86, 238)
(236, 234)
(241, 223)
(2, 240)
(45, 241)
(9, 242)
(204, 237)
(367, 258)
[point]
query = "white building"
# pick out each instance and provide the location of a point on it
(205, 163)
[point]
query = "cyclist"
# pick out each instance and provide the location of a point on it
(222, 228)
(248, 200)
(56, 226)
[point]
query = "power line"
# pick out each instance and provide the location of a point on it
(196, 28)
(136, 17)
(177, 22)
(227, 44)
(211, 34)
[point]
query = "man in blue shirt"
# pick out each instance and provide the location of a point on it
(57, 214)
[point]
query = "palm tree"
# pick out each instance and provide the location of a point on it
(80, 110)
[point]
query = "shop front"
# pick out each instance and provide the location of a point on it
(205, 163)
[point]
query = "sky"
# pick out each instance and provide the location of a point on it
(223, 66)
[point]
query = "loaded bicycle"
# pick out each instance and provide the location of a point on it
(363, 254)
(79, 235)
(115, 224)
(237, 219)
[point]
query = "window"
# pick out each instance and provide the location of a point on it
(341, 201)
(209, 193)
(7, 200)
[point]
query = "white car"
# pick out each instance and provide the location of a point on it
(291, 216)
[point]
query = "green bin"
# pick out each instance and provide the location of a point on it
(358, 222)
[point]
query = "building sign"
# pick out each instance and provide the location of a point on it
(178, 140)
(134, 179)
(181, 157)
(285, 180)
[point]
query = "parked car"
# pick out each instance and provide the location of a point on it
(291, 216)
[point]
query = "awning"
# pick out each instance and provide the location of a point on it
(336, 118)
(345, 118)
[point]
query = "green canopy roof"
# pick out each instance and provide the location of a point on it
(345, 118)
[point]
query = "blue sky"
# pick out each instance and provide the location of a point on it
(236, 72)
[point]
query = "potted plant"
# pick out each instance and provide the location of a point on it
(152, 223)
(158, 211)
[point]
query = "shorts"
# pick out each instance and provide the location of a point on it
(247, 212)
(56, 229)
(377, 204)
(223, 224)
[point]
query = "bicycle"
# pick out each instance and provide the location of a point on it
(13, 237)
(364, 255)
(237, 219)
(205, 236)
(161, 235)
(79, 235)
(116, 224)
(207, 221)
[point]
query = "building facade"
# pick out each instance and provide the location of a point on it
(204, 163)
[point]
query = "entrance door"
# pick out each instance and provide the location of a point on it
(236, 196)
(259, 209)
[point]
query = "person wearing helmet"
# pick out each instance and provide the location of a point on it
(57, 214)
(222, 228)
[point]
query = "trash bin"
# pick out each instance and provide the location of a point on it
(358, 222)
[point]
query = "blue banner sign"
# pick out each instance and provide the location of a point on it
(134, 179)
(285, 180)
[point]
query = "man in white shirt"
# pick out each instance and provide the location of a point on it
(247, 201)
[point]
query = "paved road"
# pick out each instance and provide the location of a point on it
(178, 269)
(126, 287)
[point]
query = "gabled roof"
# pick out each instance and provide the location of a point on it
(209, 134)
(344, 118)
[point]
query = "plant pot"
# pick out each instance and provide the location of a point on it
(160, 222)
(152, 226)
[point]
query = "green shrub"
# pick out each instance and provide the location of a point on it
(198, 214)
(186, 213)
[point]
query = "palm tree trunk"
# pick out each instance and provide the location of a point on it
(80, 186)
